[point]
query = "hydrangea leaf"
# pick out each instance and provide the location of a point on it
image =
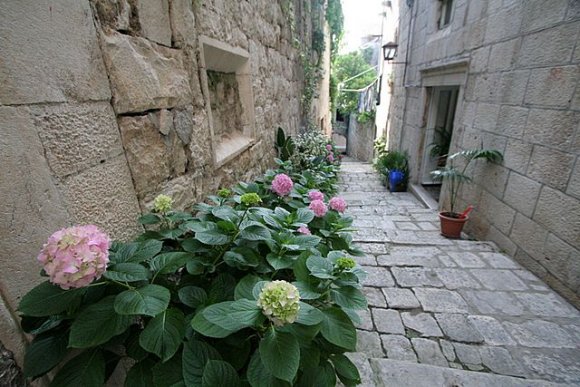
(47, 299)
(164, 333)
(280, 354)
(219, 373)
(149, 300)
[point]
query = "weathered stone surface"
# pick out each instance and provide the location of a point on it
(400, 298)
(504, 55)
(360, 360)
(74, 69)
(529, 234)
(553, 128)
(77, 136)
(366, 321)
(522, 193)
(540, 334)
(375, 297)
(103, 195)
(552, 46)
(465, 259)
(378, 276)
(428, 352)
(552, 87)
(559, 213)
(369, 343)
(498, 279)
(536, 15)
(398, 348)
(467, 354)
(458, 328)
(517, 155)
(491, 330)
(448, 350)
(416, 256)
(500, 361)
(494, 302)
(388, 321)
(512, 121)
(413, 277)
(182, 23)
(559, 366)
(115, 14)
(143, 75)
(423, 323)
(438, 300)
(542, 304)
(154, 20)
(456, 278)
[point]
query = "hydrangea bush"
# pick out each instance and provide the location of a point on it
(255, 287)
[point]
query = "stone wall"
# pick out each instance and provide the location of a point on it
(359, 139)
(518, 67)
(103, 106)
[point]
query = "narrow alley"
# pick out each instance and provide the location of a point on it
(450, 312)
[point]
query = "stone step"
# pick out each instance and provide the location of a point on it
(395, 373)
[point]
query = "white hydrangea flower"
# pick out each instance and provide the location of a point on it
(279, 301)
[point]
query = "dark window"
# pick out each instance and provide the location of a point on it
(445, 14)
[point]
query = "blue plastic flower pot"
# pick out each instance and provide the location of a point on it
(395, 179)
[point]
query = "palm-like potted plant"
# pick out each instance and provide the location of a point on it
(452, 222)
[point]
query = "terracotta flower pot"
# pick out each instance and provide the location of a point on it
(451, 226)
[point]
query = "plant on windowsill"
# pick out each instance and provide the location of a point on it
(452, 222)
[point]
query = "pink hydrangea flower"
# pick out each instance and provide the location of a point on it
(330, 157)
(304, 230)
(337, 204)
(315, 195)
(74, 257)
(282, 184)
(318, 207)
(328, 147)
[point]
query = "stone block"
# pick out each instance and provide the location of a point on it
(503, 55)
(552, 46)
(550, 166)
(503, 24)
(500, 361)
(493, 177)
(499, 261)
(512, 121)
(369, 343)
(423, 323)
(182, 23)
(378, 277)
(512, 86)
(144, 76)
(503, 242)
(414, 276)
(491, 330)
(467, 354)
(529, 235)
(388, 321)
(76, 137)
(104, 195)
(488, 302)
(33, 209)
(517, 155)
(479, 60)
(73, 71)
(547, 304)
(552, 86)
(458, 328)
(400, 298)
(540, 334)
(496, 279)
(537, 16)
(375, 297)
(398, 348)
(553, 128)
(457, 278)
(115, 14)
(487, 90)
(154, 20)
(466, 259)
(497, 212)
(439, 300)
(559, 213)
(522, 194)
(562, 261)
(486, 116)
(366, 321)
(429, 352)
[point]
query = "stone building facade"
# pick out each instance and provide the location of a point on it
(105, 104)
(504, 74)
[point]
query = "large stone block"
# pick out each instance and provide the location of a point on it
(50, 53)
(487, 87)
(486, 116)
(529, 235)
(552, 127)
(522, 194)
(154, 20)
(182, 23)
(504, 54)
(562, 261)
(153, 157)
(104, 195)
(550, 166)
(32, 206)
(503, 24)
(143, 75)
(497, 213)
(553, 46)
(559, 213)
(512, 121)
(115, 14)
(76, 137)
(552, 86)
(536, 15)
(512, 86)
(517, 155)
(479, 59)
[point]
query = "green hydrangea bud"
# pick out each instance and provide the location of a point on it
(162, 204)
(345, 263)
(224, 193)
(250, 199)
(279, 301)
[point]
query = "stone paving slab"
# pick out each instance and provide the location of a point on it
(448, 307)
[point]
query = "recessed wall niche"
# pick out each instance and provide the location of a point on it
(227, 86)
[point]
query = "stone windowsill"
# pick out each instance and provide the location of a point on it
(229, 147)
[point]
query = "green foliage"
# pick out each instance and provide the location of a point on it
(390, 160)
(440, 147)
(335, 19)
(345, 67)
(181, 300)
(456, 176)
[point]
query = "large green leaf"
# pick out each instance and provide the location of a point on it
(234, 315)
(245, 286)
(320, 267)
(212, 237)
(164, 333)
(309, 315)
(192, 296)
(225, 213)
(146, 251)
(259, 376)
(149, 219)
(149, 300)
(169, 373)
(196, 354)
(47, 299)
(206, 328)
(349, 297)
(219, 373)
(280, 354)
(304, 215)
(97, 324)
(338, 329)
(127, 272)
(306, 290)
(346, 370)
(86, 369)
(44, 353)
(222, 288)
(322, 376)
(255, 233)
(241, 259)
(169, 262)
(141, 374)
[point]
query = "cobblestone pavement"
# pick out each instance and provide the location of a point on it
(440, 309)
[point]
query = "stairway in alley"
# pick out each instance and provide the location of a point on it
(449, 312)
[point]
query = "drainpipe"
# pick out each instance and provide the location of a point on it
(412, 19)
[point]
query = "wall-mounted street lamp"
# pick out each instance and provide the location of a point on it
(390, 50)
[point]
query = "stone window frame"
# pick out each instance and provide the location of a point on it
(219, 56)
(445, 14)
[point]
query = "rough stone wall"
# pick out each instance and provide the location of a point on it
(102, 109)
(360, 137)
(520, 95)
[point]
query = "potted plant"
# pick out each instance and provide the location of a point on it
(393, 165)
(451, 221)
